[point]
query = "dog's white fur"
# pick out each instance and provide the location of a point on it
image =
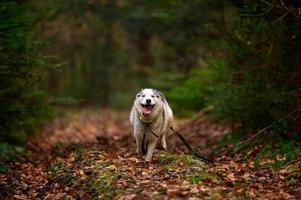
(158, 122)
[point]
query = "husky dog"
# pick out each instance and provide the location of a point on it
(151, 117)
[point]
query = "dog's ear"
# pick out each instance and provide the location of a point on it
(159, 95)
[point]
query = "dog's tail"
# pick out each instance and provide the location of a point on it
(191, 150)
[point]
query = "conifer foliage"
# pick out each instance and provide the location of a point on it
(21, 68)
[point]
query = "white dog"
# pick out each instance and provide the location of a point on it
(151, 117)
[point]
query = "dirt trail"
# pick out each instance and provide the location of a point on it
(91, 155)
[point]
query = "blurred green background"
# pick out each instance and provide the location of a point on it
(239, 59)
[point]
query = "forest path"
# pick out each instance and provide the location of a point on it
(90, 154)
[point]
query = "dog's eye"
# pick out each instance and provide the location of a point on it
(157, 96)
(153, 96)
(138, 95)
(143, 95)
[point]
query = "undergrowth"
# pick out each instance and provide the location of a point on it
(270, 150)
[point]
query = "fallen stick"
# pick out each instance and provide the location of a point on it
(265, 128)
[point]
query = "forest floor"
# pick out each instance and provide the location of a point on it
(91, 155)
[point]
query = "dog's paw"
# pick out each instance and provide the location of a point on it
(147, 162)
(160, 147)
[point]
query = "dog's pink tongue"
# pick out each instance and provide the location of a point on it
(146, 110)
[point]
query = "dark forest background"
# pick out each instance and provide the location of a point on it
(239, 60)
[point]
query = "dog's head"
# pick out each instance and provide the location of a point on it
(149, 103)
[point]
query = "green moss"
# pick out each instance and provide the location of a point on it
(102, 184)
(167, 159)
(61, 172)
(194, 171)
(200, 177)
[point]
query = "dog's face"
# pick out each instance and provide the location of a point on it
(148, 103)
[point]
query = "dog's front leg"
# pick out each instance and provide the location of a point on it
(150, 149)
(139, 144)
(163, 141)
(138, 132)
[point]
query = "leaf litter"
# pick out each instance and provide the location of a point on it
(91, 155)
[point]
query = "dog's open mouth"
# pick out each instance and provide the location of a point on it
(147, 110)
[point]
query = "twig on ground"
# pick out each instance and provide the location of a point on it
(265, 129)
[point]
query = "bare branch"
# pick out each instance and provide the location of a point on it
(289, 10)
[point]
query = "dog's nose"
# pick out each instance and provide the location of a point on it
(148, 101)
